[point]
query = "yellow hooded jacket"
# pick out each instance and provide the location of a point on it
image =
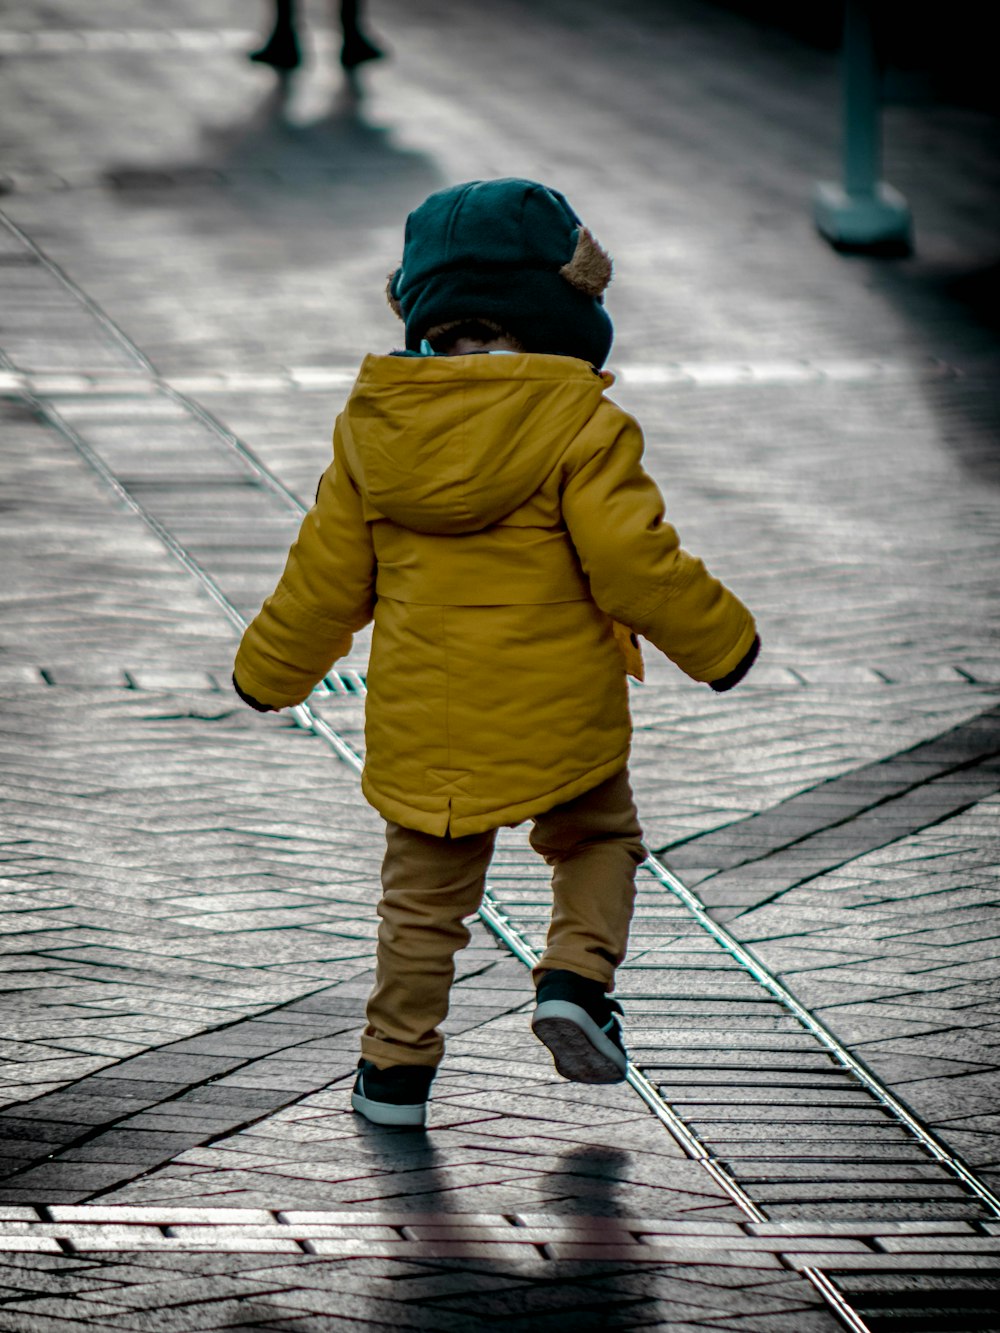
(492, 514)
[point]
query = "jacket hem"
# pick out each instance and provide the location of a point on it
(445, 821)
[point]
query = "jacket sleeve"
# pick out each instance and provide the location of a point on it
(325, 595)
(639, 573)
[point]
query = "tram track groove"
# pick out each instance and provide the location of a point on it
(494, 918)
(498, 922)
(493, 914)
(766, 978)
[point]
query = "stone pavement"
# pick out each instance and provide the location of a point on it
(191, 265)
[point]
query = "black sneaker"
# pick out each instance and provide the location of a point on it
(578, 1023)
(393, 1096)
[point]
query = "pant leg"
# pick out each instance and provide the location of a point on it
(593, 844)
(349, 17)
(428, 885)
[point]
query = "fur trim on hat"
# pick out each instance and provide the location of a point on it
(393, 300)
(589, 270)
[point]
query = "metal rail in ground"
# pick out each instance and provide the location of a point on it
(764, 977)
(310, 720)
(492, 913)
(494, 918)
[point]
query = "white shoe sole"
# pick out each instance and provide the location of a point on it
(581, 1051)
(385, 1113)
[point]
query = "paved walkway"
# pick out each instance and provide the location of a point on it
(191, 265)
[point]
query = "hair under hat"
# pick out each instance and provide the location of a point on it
(510, 252)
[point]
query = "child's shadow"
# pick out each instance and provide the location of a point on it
(588, 1181)
(412, 1170)
(584, 1181)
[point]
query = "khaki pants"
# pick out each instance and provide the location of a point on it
(593, 844)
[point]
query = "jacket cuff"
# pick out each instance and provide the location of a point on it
(739, 671)
(249, 699)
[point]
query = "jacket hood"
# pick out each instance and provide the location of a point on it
(454, 444)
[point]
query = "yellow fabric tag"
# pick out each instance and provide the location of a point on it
(628, 644)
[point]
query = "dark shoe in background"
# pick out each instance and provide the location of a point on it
(281, 51)
(357, 49)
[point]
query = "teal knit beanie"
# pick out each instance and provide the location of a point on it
(513, 253)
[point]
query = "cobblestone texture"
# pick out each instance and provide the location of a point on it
(188, 889)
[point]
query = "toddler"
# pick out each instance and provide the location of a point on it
(487, 507)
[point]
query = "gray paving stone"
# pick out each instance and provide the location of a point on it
(915, 1209)
(236, 276)
(897, 1263)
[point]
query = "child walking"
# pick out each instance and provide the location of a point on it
(487, 507)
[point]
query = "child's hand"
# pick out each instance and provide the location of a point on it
(738, 672)
(249, 699)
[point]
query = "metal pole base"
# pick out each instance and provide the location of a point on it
(877, 222)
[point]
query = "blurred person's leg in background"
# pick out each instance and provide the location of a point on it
(357, 47)
(281, 50)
